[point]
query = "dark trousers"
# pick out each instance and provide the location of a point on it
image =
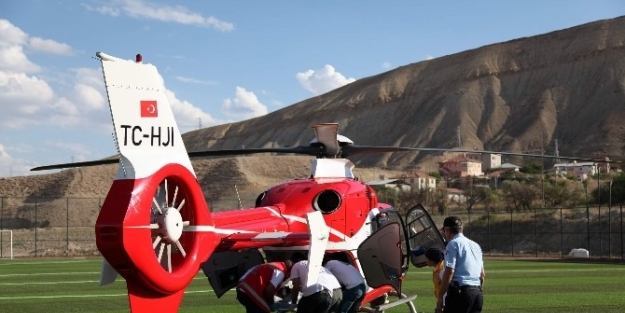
(249, 304)
(351, 299)
(464, 300)
(318, 302)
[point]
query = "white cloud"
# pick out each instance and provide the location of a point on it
(322, 80)
(30, 100)
(12, 43)
(386, 65)
(22, 96)
(13, 58)
(164, 13)
(89, 89)
(49, 46)
(195, 81)
(10, 166)
(78, 151)
(188, 116)
(245, 105)
(11, 35)
(429, 57)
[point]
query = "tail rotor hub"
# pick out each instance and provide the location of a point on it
(170, 224)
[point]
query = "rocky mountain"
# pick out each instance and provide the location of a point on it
(521, 95)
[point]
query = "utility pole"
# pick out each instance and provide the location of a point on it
(542, 163)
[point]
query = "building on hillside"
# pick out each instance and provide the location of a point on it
(460, 166)
(489, 160)
(418, 180)
(456, 195)
(394, 184)
(507, 167)
(581, 170)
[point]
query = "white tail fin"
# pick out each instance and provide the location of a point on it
(145, 129)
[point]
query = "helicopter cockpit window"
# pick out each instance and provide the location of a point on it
(327, 201)
(384, 218)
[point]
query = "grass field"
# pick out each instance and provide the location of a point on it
(70, 285)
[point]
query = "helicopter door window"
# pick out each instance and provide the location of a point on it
(388, 216)
(422, 234)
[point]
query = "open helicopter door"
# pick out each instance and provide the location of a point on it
(224, 268)
(381, 257)
(422, 234)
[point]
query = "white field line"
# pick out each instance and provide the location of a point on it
(607, 269)
(49, 283)
(67, 282)
(49, 274)
(85, 296)
(41, 262)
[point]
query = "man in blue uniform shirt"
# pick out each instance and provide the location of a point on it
(463, 275)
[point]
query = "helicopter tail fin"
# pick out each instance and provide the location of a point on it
(147, 229)
(146, 133)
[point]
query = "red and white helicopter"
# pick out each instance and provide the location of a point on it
(155, 228)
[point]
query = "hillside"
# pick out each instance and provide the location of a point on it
(520, 95)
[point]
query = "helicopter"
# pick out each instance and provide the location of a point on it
(155, 228)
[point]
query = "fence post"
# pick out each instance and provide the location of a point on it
(536, 230)
(490, 245)
(610, 223)
(561, 235)
(511, 234)
(36, 203)
(1, 223)
(587, 217)
(67, 226)
(621, 216)
(600, 234)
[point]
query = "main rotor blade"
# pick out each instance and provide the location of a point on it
(346, 151)
(352, 150)
(75, 164)
(306, 150)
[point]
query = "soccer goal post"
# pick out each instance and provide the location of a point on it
(2, 254)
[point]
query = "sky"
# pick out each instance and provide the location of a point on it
(226, 61)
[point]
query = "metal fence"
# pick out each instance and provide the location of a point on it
(65, 227)
(546, 232)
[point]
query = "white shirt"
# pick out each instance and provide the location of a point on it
(346, 274)
(326, 279)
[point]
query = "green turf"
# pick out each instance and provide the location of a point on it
(70, 285)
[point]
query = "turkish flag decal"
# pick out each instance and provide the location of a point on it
(149, 108)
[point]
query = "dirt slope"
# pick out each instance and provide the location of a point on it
(519, 95)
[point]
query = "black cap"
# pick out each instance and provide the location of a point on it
(452, 221)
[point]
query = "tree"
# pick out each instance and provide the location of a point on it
(532, 168)
(519, 195)
(602, 193)
(440, 200)
(556, 193)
